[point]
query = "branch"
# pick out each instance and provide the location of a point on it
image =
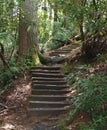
(1, 104)
(12, 54)
(95, 5)
(2, 48)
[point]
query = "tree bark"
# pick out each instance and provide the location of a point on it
(81, 30)
(28, 30)
(22, 43)
(82, 22)
(2, 56)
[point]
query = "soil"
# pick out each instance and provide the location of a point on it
(81, 118)
(13, 116)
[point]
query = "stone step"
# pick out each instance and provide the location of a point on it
(72, 46)
(46, 111)
(47, 79)
(47, 67)
(65, 49)
(52, 87)
(55, 53)
(49, 98)
(60, 52)
(49, 82)
(49, 92)
(48, 104)
(45, 71)
(48, 75)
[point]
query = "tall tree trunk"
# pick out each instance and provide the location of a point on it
(53, 14)
(55, 9)
(22, 43)
(81, 30)
(51, 10)
(81, 27)
(50, 13)
(28, 30)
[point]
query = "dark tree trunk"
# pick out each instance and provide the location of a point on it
(2, 56)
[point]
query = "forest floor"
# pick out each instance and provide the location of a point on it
(13, 109)
(14, 104)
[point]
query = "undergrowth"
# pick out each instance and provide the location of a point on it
(8, 75)
(90, 86)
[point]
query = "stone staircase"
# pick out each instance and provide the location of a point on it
(50, 91)
(63, 51)
(63, 54)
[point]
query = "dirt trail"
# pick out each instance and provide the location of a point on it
(14, 114)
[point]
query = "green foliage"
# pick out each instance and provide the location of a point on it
(93, 94)
(52, 46)
(27, 62)
(67, 68)
(80, 126)
(7, 76)
(90, 97)
(61, 33)
(99, 122)
(45, 26)
(9, 21)
(13, 72)
(102, 58)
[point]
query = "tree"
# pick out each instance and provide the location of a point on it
(95, 41)
(28, 30)
(8, 29)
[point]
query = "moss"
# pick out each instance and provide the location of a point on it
(35, 59)
(43, 59)
(67, 68)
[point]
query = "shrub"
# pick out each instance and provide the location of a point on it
(91, 95)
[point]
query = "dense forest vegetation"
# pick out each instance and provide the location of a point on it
(29, 28)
